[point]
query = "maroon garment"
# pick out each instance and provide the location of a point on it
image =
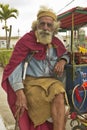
(24, 46)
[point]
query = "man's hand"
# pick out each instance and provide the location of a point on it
(59, 67)
(21, 103)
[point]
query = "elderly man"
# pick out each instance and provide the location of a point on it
(35, 94)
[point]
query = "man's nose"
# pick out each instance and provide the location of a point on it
(45, 27)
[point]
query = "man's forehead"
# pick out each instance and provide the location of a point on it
(46, 18)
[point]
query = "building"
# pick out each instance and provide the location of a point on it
(12, 41)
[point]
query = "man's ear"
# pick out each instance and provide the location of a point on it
(56, 26)
(34, 25)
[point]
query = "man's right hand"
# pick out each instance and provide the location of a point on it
(21, 103)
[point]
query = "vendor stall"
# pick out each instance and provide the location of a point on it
(73, 21)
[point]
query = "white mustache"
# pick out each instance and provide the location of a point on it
(45, 32)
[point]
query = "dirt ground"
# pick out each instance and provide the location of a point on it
(5, 110)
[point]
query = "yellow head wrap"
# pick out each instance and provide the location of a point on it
(47, 13)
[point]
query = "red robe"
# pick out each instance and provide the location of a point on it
(23, 47)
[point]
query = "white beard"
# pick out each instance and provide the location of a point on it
(44, 37)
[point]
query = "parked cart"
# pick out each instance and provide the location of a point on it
(76, 72)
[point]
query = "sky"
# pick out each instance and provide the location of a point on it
(28, 10)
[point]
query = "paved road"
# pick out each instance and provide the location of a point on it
(5, 112)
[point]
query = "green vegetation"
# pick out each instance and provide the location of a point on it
(6, 13)
(5, 56)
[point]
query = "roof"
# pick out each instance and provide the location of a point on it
(76, 17)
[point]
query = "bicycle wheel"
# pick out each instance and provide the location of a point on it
(77, 128)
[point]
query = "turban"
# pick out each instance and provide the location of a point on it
(47, 13)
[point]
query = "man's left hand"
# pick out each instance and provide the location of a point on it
(59, 67)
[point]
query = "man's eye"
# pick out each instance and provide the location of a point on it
(48, 24)
(42, 23)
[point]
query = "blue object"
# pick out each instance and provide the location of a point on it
(82, 106)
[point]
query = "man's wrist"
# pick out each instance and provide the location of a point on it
(19, 91)
(64, 60)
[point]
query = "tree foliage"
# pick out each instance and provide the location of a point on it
(5, 13)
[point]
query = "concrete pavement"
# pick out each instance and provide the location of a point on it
(5, 112)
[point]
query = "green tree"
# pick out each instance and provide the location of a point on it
(5, 13)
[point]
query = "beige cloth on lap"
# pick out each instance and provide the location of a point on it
(40, 92)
